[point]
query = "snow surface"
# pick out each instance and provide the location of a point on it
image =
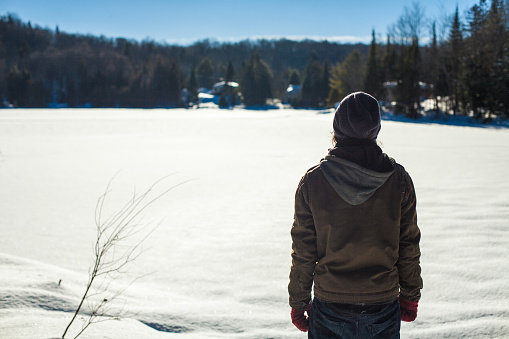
(220, 259)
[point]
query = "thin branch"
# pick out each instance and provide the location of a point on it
(112, 255)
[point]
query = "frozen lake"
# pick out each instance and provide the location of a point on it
(220, 259)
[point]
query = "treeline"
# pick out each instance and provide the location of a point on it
(40, 66)
(460, 62)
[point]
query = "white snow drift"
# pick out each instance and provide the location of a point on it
(219, 261)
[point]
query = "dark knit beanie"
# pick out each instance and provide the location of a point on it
(357, 116)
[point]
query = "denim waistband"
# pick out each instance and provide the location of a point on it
(359, 309)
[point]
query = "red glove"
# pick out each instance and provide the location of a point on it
(408, 310)
(299, 319)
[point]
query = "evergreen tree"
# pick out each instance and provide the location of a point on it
(455, 62)
(175, 87)
(192, 87)
(230, 72)
(408, 90)
(347, 77)
(497, 59)
(433, 66)
(166, 84)
(486, 60)
(310, 91)
(476, 75)
(229, 96)
(505, 63)
(294, 77)
(256, 82)
(18, 82)
(390, 70)
(324, 84)
(205, 73)
(373, 79)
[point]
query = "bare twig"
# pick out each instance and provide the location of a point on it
(113, 254)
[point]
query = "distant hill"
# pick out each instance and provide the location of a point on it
(39, 66)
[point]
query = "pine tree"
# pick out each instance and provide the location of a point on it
(486, 60)
(434, 66)
(455, 62)
(229, 96)
(205, 73)
(408, 90)
(294, 77)
(390, 70)
(174, 86)
(476, 75)
(311, 84)
(192, 87)
(324, 85)
(256, 82)
(373, 80)
(17, 86)
(230, 72)
(497, 61)
(166, 84)
(505, 64)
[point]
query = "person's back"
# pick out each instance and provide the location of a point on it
(355, 235)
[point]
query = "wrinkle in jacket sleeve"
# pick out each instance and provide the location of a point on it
(304, 252)
(409, 252)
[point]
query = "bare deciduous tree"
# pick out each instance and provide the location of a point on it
(409, 25)
(115, 248)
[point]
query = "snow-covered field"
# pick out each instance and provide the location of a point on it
(220, 259)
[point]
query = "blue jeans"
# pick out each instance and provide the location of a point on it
(338, 321)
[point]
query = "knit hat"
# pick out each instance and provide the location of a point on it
(357, 116)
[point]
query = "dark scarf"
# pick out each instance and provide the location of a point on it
(363, 152)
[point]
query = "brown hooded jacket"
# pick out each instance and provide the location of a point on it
(355, 233)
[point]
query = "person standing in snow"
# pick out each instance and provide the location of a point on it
(355, 235)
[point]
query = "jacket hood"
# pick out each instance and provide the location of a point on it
(352, 182)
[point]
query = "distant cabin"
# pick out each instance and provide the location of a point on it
(220, 88)
(292, 92)
(228, 90)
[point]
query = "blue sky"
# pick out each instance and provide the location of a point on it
(187, 21)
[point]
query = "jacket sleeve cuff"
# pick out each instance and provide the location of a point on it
(300, 305)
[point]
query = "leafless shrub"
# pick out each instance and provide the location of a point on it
(115, 248)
